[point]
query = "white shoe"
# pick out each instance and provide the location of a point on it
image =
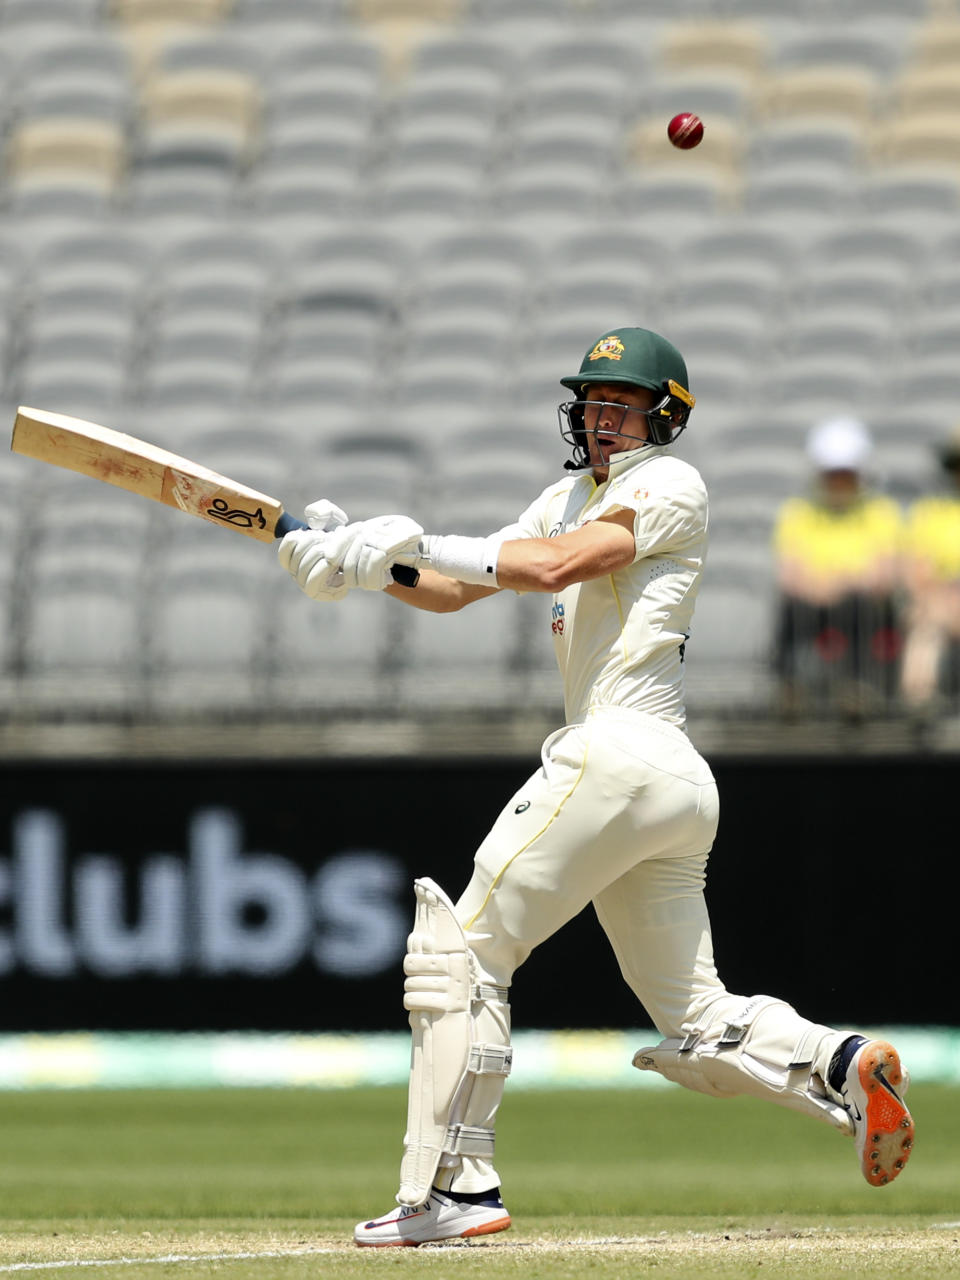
(443, 1217)
(873, 1095)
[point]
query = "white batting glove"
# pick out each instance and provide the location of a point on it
(374, 546)
(313, 561)
(312, 556)
(325, 515)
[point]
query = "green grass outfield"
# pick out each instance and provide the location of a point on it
(144, 1184)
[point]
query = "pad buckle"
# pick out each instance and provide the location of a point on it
(487, 991)
(733, 1033)
(490, 1059)
(468, 1140)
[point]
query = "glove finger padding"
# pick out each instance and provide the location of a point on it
(299, 551)
(325, 515)
(313, 560)
(325, 582)
(368, 567)
(373, 548)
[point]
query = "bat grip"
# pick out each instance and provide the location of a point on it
(403, 574)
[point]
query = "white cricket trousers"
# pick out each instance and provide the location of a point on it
(622, 813)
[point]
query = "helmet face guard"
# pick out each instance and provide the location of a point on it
(665, 421)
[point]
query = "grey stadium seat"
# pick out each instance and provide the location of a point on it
(206, 633)
(217, 47)
(858, 333)
(711, 95)
(330, 61)
(881, 288)
(913, 193)
(580, 58)
(326, 656)
(805, 188)
(83, 647)
(877, 246)
(461, 659)
(350, 265)
(445, 114)
(880, 49)
(188, 381)
(88, 338)
(486, 255)
(179, 333)
(620, 253)
(836, 143)
(62, 50)
(463, 61)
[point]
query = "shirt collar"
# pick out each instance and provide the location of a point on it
(626, 461)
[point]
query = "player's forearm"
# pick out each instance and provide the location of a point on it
(551, 564)
(455, 569)
(528, 564)
(438, 594)
(537, 564)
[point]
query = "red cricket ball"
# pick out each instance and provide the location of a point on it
(685, 130)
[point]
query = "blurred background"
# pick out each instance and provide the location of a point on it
(347, 248)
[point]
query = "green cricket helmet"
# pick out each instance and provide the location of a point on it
(635, 358)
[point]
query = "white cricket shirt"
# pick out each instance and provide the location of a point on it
(619, 638)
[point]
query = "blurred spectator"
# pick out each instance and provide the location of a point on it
(837, 550)
(931, 658)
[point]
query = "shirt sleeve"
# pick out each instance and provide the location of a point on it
(533, 522)
(669, 512)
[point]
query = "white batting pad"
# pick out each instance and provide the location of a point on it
(761, 1047)
(445, 1004)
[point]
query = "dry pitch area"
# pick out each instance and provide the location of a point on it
(803, 1252)
(242, 1184)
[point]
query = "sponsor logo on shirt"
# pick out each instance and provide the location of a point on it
(558, 619)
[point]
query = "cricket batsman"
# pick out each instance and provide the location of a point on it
(621, 813)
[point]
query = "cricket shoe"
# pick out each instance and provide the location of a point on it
(872, 1093)
(443, 1217)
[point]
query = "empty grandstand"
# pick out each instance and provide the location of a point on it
(348, 248)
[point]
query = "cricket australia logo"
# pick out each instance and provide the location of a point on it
(607, 349)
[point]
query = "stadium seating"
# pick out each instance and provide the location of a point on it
(379, 237)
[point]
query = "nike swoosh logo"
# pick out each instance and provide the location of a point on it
(851, 1106)
(405, 1218)
(887, 1085)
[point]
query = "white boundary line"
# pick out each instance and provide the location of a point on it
(458, 1246)
(168, 1258)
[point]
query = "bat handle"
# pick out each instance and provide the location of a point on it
(403, 574)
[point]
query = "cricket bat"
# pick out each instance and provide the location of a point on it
(155, 473)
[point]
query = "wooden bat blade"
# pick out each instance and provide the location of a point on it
(147, 470)
(152, 472)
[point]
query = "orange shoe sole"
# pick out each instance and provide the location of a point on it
(488, 1228)
(889, 1125)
